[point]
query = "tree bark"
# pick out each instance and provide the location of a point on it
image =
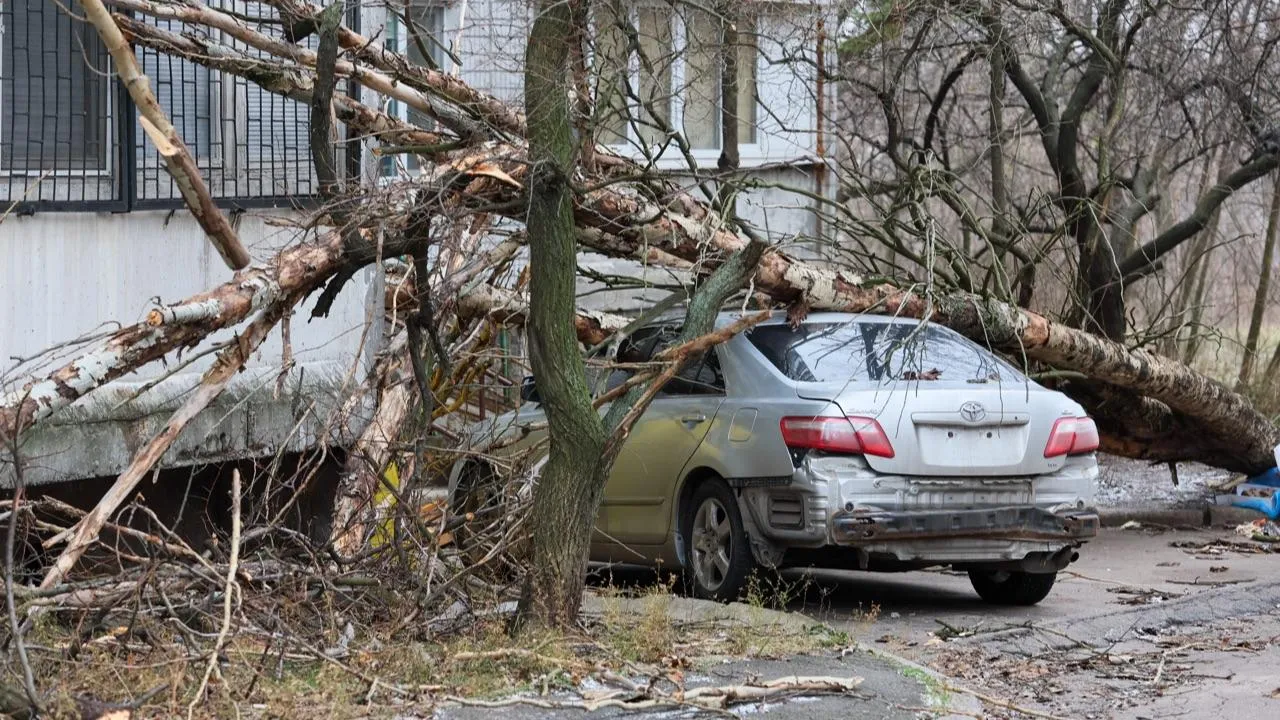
(1175, 341)
(369, 457)
(568, 492)
(729, 160)
(1260, 299)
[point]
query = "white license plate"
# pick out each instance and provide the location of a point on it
(976, 447)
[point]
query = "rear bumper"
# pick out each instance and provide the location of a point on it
(863, 528)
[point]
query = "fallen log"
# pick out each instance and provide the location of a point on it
(1225, 428)
(371, 453)
(298, 269)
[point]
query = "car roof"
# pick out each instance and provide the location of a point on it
(778, 317)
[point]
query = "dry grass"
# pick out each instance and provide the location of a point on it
(633, 636)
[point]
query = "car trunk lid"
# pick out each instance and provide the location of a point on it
(956, 429)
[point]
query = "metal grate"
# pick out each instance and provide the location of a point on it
(57, 143)
(70, 139)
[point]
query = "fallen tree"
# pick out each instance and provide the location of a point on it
(1149, 406)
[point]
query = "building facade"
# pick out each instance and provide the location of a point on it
(94, 229)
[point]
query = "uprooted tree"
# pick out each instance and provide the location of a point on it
(922, 222)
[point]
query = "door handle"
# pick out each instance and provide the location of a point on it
(693, 419)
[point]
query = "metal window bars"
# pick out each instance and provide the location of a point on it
(69, 134)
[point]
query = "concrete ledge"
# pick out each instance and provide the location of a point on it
(99, 435)
(1204, 516)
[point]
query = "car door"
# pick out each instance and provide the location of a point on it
(638, 497)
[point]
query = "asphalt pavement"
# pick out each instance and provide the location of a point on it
(1149, 623)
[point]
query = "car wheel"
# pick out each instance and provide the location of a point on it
(477, 493)
(719, 558)
(1011, 587)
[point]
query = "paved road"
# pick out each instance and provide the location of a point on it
(910, 604)
(1138, 628)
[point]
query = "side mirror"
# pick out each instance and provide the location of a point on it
(529, 391)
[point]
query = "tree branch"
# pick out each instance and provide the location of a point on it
(1140, 263)
(177, 158)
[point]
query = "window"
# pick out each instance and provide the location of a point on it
(54, 90)
(701, 376)
(69, 131)
(416, 28)
(702, 106)
(658, 69)
(877, 352)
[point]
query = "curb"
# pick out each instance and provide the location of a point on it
(1204, 516)
(948, 705)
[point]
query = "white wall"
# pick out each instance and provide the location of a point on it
(62, 275)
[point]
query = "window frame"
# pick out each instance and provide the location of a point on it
(670, 157)
(397, 40)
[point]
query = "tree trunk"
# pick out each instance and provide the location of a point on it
(1174, 343)
(1105, 289)
(1196, 301)
(568, 492)
(1260, 299)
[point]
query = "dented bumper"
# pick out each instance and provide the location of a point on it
(868, 527)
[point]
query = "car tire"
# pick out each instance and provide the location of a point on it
(475, 489)
(717, 551)
(476, 493)
(1011, 587)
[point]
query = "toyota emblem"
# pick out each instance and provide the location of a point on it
(972, 411)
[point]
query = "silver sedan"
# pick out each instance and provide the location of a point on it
(848, 441)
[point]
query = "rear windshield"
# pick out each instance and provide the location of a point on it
(877, 352)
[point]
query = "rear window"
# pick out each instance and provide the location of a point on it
(877, 352)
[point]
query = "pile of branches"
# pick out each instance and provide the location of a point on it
(256, 596)
(475, 170)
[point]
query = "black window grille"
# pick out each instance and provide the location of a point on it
(70, 138)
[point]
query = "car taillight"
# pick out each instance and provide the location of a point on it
(852, 435)
(1072, 436)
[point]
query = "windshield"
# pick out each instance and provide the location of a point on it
(877, 352)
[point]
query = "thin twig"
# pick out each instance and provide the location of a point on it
(228, 598)
(990, 700)
(15, 629)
